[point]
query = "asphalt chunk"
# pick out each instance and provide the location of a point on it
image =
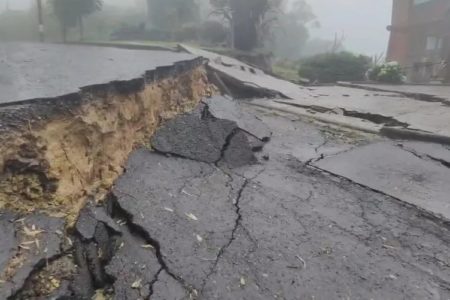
(37, 240)
(238, 151)
(226, 108)
(191, 136)
(195, 200)
(133, 268)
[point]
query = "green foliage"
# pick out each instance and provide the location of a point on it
(333, 67)
(387, 73)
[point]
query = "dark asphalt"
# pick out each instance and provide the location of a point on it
(30, 71)
(193, 136)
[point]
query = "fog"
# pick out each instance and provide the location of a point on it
(361, 23)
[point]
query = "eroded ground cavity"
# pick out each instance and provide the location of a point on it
(56, 152)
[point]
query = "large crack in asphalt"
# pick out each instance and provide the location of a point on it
(425, 213)
(425, 156)
(416, 96)
(232, 237)
(374, 118)
(164, 268)
(118, 211)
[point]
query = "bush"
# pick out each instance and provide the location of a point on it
(332, 67)
(213, 32)
(387, 73)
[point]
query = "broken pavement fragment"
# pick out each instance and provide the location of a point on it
(167, 288)
(133, 268)
(155, 182)
(89, 218)
(226, 108)
(38, 242)
(238, 151)
(391, 170)
(56, 151)
(194, 137)
(206, 134)
(8, 240)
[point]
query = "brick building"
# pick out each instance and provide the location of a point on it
(420, 37)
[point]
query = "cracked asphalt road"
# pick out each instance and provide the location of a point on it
(275, 208)
(281, 228)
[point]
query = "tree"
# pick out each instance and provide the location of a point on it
(246, 19)
(171, 15)
(70, 13)
(85, 8)
(252, 21)
(288, 34)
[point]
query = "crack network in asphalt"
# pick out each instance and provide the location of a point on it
(425, 213)
(142, 233)
(233, 234)
(425, 156)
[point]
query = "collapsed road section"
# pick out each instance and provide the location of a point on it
(57, 151)
(154, 188)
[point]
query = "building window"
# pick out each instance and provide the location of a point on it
(433, 43)
(418, 2)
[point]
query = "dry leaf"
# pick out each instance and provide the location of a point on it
(33, 232)
(121, 222)
(28, 243)
(168, 209)
(136, 284)
(191, 216)
(24, 247)
(99, 295)
(148, 246)
(57, 214)
(242, 281)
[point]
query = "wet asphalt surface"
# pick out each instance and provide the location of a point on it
(281, 228)
(32, 70)
(247, 203)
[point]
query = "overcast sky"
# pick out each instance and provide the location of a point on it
(362, 22)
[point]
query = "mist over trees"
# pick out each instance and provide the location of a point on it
(277, 27)
(70, 13)
(170, 15)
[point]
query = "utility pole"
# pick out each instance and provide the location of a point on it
(41, 21)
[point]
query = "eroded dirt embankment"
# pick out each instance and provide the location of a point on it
(55, 153)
